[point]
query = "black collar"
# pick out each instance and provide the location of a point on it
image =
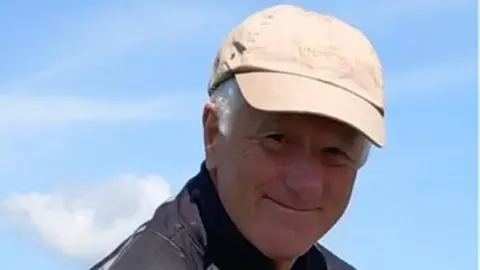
(222, 243)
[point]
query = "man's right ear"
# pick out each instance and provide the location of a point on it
(210, 133)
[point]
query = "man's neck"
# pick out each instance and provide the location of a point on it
(284, 265)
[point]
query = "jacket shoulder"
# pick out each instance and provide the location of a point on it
(159, 244)
(146, 250)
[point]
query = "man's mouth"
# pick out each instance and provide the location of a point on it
(293, 208)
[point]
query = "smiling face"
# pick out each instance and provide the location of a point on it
(284, 179)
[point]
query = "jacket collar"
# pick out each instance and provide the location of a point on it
(222, 243)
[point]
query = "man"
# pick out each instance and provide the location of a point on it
(296, 100)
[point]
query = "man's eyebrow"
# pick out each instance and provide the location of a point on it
(352, 141)
(268, 122)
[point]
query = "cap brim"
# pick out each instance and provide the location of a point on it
(280, 92)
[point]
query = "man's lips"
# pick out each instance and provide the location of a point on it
(293, 208)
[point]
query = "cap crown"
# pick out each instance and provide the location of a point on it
(290, 39)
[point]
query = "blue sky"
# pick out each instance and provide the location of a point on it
(100, 105)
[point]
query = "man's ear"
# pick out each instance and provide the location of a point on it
(210, 134)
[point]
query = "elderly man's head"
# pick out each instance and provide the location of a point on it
(284, 178)
(296, 98)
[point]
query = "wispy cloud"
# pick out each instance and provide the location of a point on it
(108, 34)
(91, 41)
(99, 37)
(87, 223)
(23, 110)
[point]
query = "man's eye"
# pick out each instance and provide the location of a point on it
(273, 141)
(335, 156)
(276, 137)
(334, 151)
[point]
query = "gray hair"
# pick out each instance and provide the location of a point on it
(228, 100)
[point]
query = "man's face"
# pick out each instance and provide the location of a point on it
(284, 179)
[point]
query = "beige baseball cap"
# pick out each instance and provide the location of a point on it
(289, 59)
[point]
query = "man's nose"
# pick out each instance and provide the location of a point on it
(305, 177)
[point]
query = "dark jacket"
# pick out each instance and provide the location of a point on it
(194, 232)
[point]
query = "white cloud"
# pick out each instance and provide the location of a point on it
(88, 223)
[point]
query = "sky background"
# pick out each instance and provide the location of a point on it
(100, 110)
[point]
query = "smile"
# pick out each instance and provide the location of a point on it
(291, 208)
